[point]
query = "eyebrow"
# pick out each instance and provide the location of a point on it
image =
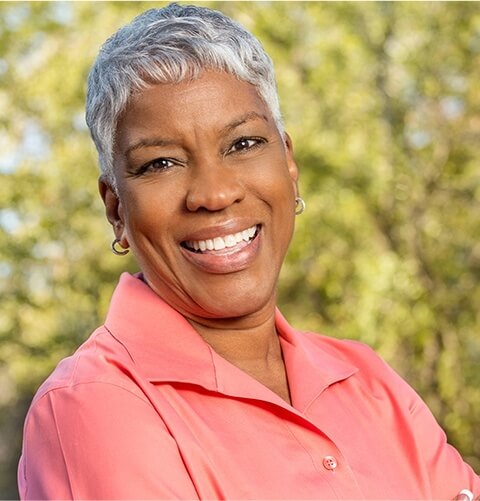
(251, 115)
(149, 142)
(154, 141)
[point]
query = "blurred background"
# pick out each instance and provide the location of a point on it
(382, 101)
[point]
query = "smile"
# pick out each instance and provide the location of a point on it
(232, 242)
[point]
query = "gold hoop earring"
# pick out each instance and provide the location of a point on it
(299, 206)
(116, 251)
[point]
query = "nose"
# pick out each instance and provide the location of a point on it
(214, 188)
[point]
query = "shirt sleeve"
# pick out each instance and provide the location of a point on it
(446, 468)
(99, 441)
(447, 472)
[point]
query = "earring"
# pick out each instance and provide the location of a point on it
(118, 252)
(299, 205)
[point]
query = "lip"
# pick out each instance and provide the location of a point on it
(227, 261)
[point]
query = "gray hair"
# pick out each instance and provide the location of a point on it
(170, 45)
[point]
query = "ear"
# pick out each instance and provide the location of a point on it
(291, 164)
(113, 210)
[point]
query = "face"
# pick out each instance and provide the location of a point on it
(206, 195)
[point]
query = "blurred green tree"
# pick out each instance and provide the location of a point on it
(382, 103)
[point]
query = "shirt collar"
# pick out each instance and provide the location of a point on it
(311, 364)
(160, 341)
(165, 348)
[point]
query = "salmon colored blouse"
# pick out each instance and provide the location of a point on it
(146, 409)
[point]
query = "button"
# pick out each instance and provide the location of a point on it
(329, 462)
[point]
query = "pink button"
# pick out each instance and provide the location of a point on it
(329, 462)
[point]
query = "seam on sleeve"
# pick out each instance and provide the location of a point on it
(61, 445)
(26, 455)
(67, 386)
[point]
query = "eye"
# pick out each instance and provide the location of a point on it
(245, 144)
(158, 164)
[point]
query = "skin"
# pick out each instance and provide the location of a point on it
(196, 160)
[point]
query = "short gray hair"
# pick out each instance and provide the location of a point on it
(170, 45)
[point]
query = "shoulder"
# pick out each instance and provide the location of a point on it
(347, 350)
(95, 383)
(101, 361)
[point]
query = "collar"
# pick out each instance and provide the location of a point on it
(165, 348)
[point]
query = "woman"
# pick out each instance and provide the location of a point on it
(196, 387)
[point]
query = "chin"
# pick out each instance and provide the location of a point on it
(238, 305)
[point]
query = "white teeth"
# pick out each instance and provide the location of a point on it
(230, 240)
(219, 243)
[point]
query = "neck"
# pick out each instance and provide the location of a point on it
(255, 341)
(253, 347)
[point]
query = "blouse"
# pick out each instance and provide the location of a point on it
(145, 409)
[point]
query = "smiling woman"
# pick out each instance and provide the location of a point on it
(203, 177)
(196, 387)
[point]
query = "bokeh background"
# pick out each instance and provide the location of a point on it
(382, 101)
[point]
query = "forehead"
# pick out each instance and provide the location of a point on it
(212, 100)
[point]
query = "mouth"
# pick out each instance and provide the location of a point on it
(225, 244)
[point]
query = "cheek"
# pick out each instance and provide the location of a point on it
(279, 191)
(146, 215)
(279, 194)
(272, 177)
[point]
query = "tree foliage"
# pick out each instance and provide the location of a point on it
(382, 103)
